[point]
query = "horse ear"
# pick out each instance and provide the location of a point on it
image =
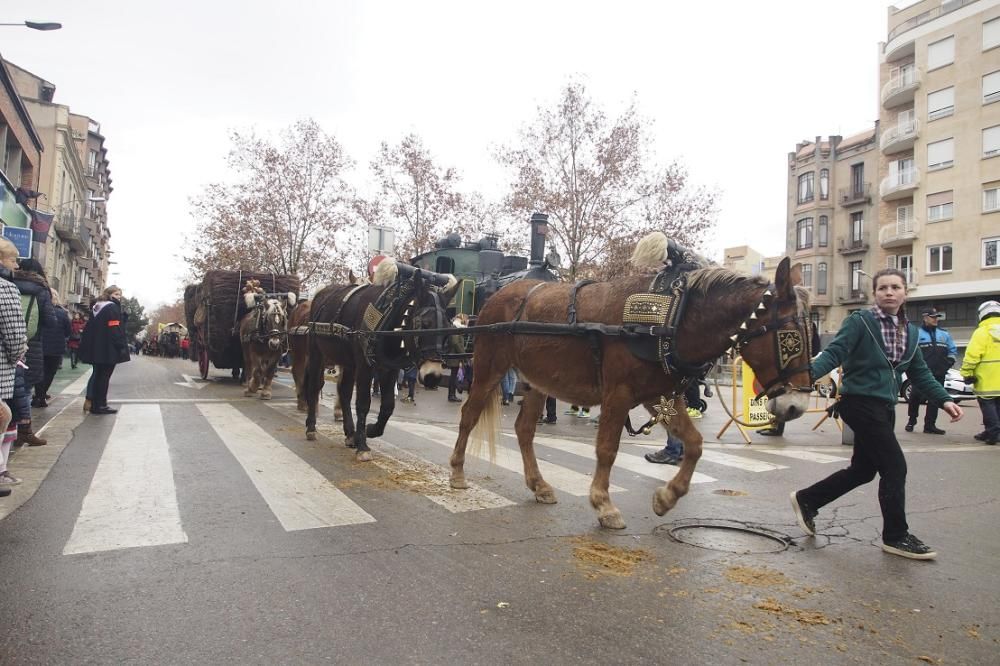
(782, 279)
(351, 277)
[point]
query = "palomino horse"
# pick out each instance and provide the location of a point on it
(724, 310)
(263, 334)
(410, 300)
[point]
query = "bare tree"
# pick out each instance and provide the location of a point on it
(593, 178)
(286, 210)
(417, 198)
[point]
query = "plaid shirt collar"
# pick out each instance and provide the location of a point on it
(893, 334)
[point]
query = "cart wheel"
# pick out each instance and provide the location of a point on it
(203, 362)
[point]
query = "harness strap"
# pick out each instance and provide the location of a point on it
(524, 303)
(579, 284)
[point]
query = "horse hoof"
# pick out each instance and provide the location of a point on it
(664, 500)
(311, 435)
(363, 456)
(458, 483)
(265, 396)
(349, 442)
(546, 496)
(612, 520)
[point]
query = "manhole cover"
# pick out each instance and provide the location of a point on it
(727, 536)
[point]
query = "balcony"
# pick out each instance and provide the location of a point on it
(900, 89)
(898, 234)
(851, 245)
(912, 279)
(72, 230)
(899, 138)
(846, 295)
(900, 184)
(852, 196)
(84, 262)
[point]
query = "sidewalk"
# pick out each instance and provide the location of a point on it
(67, 376)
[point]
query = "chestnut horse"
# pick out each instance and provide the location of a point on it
(724, 310)
(345, 309)
(263, 336)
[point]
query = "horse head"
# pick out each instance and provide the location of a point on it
(775, 341)
(272, 316)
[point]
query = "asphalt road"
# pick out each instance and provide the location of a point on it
(197, 526)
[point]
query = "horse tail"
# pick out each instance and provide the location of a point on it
(487, 430)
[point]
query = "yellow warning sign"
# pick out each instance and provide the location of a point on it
(754, 411)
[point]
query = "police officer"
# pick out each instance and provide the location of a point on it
(939, 353)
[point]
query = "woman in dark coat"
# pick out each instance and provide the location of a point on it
(54, 347)
(104, 345)
(30, 281)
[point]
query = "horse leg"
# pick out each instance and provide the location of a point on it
(386, 381)
(345, 391)
(613, 414)
(313, 386)
(525, 426)
(272, 367)
(363, 402)
(246, 363)
(666, 496)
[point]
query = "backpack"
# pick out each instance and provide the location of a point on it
(29, 307)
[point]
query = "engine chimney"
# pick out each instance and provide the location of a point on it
(539, 229)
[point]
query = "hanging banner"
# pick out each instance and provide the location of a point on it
(754, 411)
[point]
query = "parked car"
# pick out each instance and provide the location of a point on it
(953, 384)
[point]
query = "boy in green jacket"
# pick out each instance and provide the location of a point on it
(874, 347)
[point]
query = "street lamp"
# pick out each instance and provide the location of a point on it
(35, 25)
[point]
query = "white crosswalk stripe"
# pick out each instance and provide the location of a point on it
(300, 497)
(132, 500)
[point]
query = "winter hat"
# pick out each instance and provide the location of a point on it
(989, 308)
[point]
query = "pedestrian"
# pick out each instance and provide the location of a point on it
(36, 304)
(186, 346)
(874, 347)
(507, 386)
(76, 328)
(671, 454)
(54, 348)
(939, 352)
(550, 411)
(410, 381)
(576, 410)
(13, 346)
(104, 346)
(456, 347)
(981, 367)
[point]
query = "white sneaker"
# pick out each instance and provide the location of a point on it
(8, 479)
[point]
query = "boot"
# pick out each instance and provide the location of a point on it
(26, 436)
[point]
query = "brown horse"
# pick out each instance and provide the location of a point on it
(724, 310)
(414, 300)
(263, 334)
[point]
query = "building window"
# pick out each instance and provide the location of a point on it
(941, 154)
(854, 268)
(991, 34)
(939, 258)
(806, 187)
(941, 53)
(940, 206)
(991, 199)
(857, 180)
(824, 184)
(857, 228)
(804, 233)
(990, 248)
(991, 141)
(823, 233)
(821, 278)
(991, 87)
(941, 103)
(807, 276)
(92, 163)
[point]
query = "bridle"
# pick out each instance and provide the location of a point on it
(430, 347)
(265, 335)
(789, 345)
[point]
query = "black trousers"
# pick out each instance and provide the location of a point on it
(102, 379)
(913, 409)
(875, 451)
(52, 364)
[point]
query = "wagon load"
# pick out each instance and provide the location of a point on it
(213, 310)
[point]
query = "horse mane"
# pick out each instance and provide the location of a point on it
(705, 280)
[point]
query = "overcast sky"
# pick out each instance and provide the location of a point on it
(730, 88)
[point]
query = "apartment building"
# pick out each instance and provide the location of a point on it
(75, 184)
(935, 156)
(20, 154)
(745, 259)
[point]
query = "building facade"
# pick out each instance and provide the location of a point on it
(927, 175)
(74, 184)
(20, 154)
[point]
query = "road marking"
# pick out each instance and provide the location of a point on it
(808, 456)
(191, 381)
(300, 497)
(632, 463)
(564, 479)
(739, 462)
(154, 401)
(79, 384)
(132, 500)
